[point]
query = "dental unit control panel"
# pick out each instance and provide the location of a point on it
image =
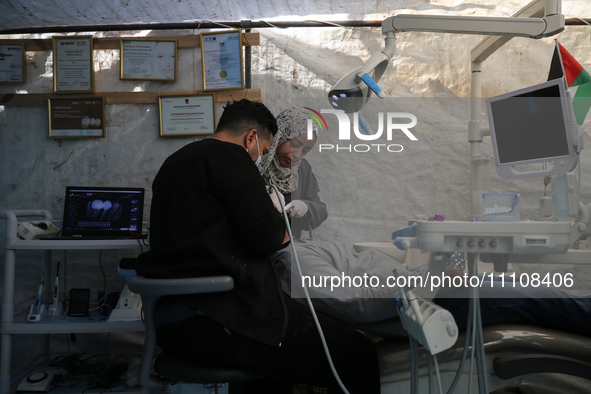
(493, 237)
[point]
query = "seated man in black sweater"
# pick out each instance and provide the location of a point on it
(212, 215)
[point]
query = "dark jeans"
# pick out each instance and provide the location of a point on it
(299, 359)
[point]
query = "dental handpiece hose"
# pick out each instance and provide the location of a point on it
(310, 305)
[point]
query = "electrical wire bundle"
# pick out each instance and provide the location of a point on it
(91, 371)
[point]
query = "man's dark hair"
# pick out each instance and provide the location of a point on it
(241, 116)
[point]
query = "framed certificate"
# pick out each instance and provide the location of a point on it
(12, 63)
(149, 59)
(221, 56)
(76, 117)
(187, 115)
(73, 64)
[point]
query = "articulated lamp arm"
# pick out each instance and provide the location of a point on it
(524, 27)
(351, 92)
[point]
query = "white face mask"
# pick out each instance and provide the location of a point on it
(258, 160)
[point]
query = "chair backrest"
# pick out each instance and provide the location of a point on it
(150, 291)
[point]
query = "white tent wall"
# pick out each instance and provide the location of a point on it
(368, 197)
(430, 176)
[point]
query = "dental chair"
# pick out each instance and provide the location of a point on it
(515, 354)
(526, 358)
(158, 370)
(518, 356)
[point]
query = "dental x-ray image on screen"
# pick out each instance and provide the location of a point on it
(103, 212)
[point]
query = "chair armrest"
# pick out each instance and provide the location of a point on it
(208, 284)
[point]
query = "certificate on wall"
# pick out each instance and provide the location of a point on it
(76, 117)
(73, 64)
(221, 55)
(12, 63)
(187, 115)
(149, 59)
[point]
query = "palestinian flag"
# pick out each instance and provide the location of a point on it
(565, 66)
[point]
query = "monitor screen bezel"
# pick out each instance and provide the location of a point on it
(562, 163)
(115, 233)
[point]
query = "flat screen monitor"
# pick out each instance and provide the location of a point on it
(106, 212)
(533, 131)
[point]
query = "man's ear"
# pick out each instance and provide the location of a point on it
(250, 137)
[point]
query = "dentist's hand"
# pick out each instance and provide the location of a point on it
(296, 209)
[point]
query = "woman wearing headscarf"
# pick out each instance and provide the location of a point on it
(285, 167)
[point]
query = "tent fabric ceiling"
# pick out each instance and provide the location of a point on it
(24, 14)
(289, 66)
(37, 13)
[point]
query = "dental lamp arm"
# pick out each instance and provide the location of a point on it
(540, 18)
(524, 27)
(377, 64)
(546, 21)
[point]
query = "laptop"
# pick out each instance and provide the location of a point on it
(103, 213)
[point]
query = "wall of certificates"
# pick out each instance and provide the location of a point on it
(76, 106)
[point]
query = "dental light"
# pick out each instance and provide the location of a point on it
(351, 92)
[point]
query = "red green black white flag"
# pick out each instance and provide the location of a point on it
(564, 65)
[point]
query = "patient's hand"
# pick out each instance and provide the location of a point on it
(286, 238)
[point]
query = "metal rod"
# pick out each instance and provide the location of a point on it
(185, 25)
(215, 25)
(246, 25)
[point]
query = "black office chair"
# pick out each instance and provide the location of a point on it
(156, 371)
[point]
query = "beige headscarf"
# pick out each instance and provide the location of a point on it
(290, 123)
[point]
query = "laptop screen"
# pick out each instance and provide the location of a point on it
(103, 211)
